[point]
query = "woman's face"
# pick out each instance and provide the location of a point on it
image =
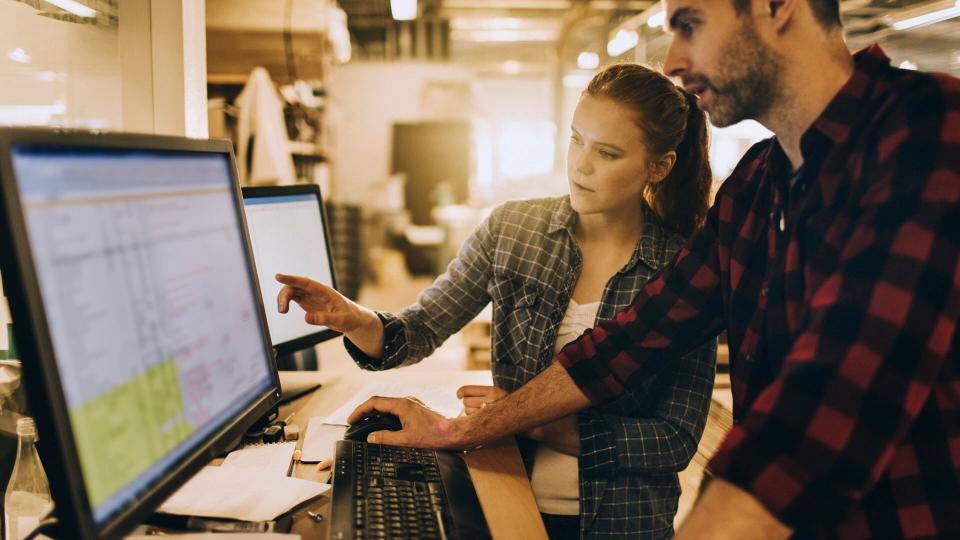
(607, 162)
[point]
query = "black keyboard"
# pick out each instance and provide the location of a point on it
(384, 491)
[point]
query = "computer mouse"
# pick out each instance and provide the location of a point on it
(378, 421)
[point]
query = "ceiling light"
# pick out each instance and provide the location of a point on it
(19, 55)
(906, 64)
(403, 10)
(623, 41)
(588, 60)
(74, 7)
(658, 19)
(503, 36)
(929, 18)
(492, 23)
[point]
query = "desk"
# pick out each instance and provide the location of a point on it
(497, 471)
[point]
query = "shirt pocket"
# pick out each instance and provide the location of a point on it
(514, 316)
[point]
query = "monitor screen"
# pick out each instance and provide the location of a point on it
(289, 236)
(152, 312)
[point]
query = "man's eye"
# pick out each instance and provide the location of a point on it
(575, 140)
(685, 28)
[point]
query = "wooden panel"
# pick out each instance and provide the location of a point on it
(504, 491)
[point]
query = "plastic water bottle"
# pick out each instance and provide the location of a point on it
(27, 500)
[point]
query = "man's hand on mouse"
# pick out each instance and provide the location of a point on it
(422, 427)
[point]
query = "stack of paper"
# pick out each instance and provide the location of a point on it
(251, 485)
(442, 400)
(320, 442)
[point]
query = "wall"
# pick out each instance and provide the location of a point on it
(366, 98)
(72, 77)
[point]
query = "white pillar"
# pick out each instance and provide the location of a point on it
(163, 66)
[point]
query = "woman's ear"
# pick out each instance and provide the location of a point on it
(662, 166)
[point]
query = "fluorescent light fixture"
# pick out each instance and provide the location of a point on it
(403, 10)
(488, 23)
(658, 19)
(623, 41)
(74, 7)
(503, 36)
(30, 115)
(19, 55)
(928, 18)
(588, 60)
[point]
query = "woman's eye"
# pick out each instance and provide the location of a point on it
(575, 140)
(607, 155)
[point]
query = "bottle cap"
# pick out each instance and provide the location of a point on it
(26, 427)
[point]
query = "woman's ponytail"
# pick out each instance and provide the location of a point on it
(683, 196)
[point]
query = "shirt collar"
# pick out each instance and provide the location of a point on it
(837, 122)
(649, 249)
(834, 123)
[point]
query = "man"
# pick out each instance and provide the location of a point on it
(830, 257)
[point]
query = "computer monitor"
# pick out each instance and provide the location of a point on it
(288, 232)
(138, 313)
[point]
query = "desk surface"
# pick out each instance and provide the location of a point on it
(497, 471)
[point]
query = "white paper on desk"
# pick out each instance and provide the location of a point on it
(240, 493)
(441, 399)
(320, 442)
(273, 458)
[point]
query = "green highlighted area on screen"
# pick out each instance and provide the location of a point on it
(123, 431)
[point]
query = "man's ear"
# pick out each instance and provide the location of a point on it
(780, 12)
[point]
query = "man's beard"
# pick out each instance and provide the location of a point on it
(746, 84)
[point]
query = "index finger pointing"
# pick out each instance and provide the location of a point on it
(299, 282)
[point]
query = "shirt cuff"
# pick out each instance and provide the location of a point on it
(598, 447)
(392, 340)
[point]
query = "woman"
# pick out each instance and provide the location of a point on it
(639, 181)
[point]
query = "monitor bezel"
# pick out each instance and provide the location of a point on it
(41, 376)
(257, 192)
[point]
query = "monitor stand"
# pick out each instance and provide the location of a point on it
(302, 360)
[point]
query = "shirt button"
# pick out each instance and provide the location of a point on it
(749, 359)
(764, 290)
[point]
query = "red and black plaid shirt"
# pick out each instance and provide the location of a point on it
(841, 309)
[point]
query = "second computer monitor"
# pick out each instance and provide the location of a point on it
(289, 235)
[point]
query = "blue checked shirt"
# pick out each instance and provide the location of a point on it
(524, 259)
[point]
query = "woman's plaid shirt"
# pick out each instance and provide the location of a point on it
(524, 259)
(841, 309)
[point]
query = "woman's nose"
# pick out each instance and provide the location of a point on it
(584, 166)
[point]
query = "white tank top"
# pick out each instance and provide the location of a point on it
(555, 478)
